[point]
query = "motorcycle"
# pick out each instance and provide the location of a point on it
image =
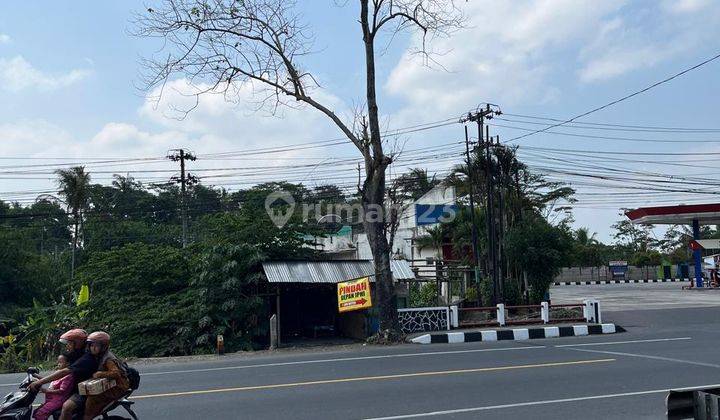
(18, 405)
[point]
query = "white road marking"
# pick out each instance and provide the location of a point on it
(600, 343)
(371, 378)
(645, 356)
(344, 359)
(531, 403)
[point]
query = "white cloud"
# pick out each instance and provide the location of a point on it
(123, 137)
(526, 52)
(686, 6)
(649, 37)
(619, 60)
(18, 74)
(5, 39)
(27, 138)
(214, 126)
(505, 55)
(236, 118)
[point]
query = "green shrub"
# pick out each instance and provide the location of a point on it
(140, 294)
(9, 360)
(423, 294)
(511, 292)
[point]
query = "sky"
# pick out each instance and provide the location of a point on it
(71, 92)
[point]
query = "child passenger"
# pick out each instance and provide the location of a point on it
(55, 395)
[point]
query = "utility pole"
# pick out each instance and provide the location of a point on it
(476, 252)
(485, 140)
(490, 211)
(501, 220)
(181, 155)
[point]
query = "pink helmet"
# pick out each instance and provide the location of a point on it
(76, 336)
(100, 337)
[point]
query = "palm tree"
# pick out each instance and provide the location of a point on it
(74, 185)
(415, 183)
(586, 249)
(584, 238)
(434, 238)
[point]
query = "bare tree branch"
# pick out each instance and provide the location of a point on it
(220, 46)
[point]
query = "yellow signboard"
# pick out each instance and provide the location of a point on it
(354, 295)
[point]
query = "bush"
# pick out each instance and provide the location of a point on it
(471, 294)
(227, 303)
(423, 294)
(157, 300)
(139, 294)
(10, 361)
(511, 292)
(541, 249)
(37, 336)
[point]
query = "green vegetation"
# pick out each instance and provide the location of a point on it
(155, 297)
(123, 241)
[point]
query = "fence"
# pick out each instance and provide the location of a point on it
(451, 278)
(545, 313)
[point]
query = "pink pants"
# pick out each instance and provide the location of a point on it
(45, 411)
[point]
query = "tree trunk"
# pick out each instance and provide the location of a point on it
(74, 249)
(373, 194)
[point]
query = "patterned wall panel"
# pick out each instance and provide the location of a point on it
(423, 319)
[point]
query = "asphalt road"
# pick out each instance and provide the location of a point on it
(632, 296)
(621, 376)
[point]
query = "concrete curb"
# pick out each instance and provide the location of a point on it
(518, 334)
(583, 283)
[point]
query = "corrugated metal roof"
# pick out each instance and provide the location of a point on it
(329, 271)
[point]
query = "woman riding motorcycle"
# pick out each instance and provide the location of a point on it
(109, 367)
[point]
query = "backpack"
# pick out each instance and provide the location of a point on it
(132, 375)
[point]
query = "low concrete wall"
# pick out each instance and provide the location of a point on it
(583, 274)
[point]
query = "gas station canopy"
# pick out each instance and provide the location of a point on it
(705, 214)
(693, 214)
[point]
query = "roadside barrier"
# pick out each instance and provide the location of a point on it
(517, 334)
(587, 283)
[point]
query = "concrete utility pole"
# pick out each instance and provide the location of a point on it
(490, 212)
(485, 140)
(501, 220)
(182, 156)
(476, 252)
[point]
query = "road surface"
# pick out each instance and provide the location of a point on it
(621, 376)
(632, 296)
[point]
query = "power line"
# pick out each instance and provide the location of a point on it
(603, 152)
(245, 152)
(616, 101)
(608, 126)
(613, 138)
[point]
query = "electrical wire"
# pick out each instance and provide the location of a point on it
(616, 101)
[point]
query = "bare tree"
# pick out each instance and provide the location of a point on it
(221, 45)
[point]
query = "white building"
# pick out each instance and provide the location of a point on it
(416, 218)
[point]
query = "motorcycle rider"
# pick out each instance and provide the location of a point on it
(83, 366)
(74, 342)
(74, 345)
(109, 367)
